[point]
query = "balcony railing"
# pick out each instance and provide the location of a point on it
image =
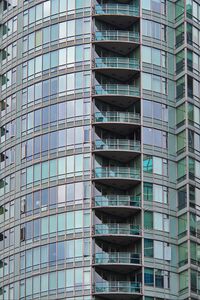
(117, 172)
(117, 258)
(117, 62)
(117, 89)
(117, 9)
(117, 144)
(118, 287)
(117, 200)
(117, 35)
(117, 229)
(116, 116)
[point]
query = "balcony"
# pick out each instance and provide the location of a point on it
(121, 233)
(116, 121)
(117, 205)
(120, 149)
(121, 177)
(120, 68)
(117, 36)
(122, 95)
(122, 262)
(119, 41)
(118, 290)
(117, 9)
(117, 62)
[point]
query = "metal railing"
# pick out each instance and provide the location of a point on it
(117, 62)
(116, 116)
(117, 9)
(117, 258)
(116, 229)
(117, 89)
(117, 35)
(117, 200)
(117, 287)
(117, 144)
(117, 172)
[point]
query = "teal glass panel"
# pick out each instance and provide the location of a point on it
(45, 170)
(29, 175)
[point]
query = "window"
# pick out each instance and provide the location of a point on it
(183, 254)
(155, 137)
(156, 221)
(155, 192)
(154, 56)
(154, 83)
(148, 248)
(155, 165)
(149, 276)
(158, 6)
(154, 30)
(157, 278)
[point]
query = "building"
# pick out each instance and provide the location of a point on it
(99, 149)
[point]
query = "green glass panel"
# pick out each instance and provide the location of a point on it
(148, 220)
(148, 191)
(148, 164)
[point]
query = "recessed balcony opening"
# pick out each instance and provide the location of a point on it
(102, 247)
(115, 174)
(116, 65)
(117, 41)
(117, 177)
(122, 15)
(113, 285)
(116, 203)
(120, 262)
(114, 38)
(114, 229)
(113, 145)
(116, 121)
(118, 149)
(105, 217)
(117, 258)
(115, 92)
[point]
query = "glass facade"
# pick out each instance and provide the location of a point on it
(99, 149)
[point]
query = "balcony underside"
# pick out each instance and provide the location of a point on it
(120, 183)
(121, 21)
(119, 268)
(121, 74)
(118, 211)
(117, 296)
(118, 128)
(119, 155)
(117, 46)
(123, 101)
(117, 238)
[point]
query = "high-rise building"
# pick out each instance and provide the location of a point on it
(100, 149)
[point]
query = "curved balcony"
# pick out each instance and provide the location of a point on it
(122, 262)
(118, 290)
(117, 121)
(122, 95)
(120, 68)
(119, 41)
(121, 177)
(117, 205)
(117, 9)
(119, 149)
(117, 233)
(123, 15)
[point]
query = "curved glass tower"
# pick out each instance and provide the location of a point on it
(99, 149)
